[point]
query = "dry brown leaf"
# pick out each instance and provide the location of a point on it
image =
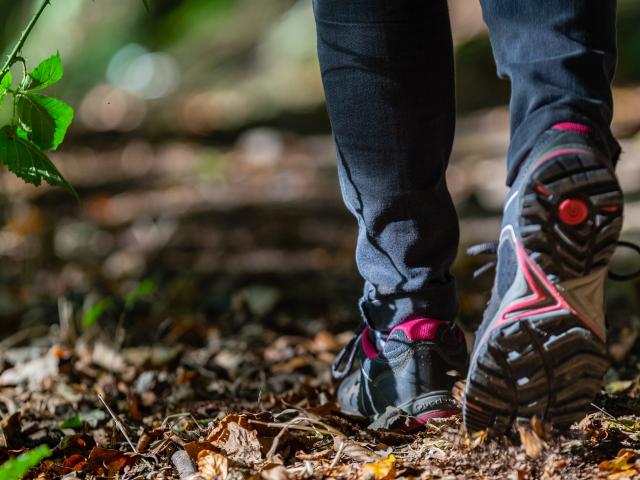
(107, 357)
(241, 444)
(212, 465)
(594, 428)
(293, 364)
(554, 467)
(519, 474)
(248, 421)
(623, 466)
(381, 470)
(324, 342)
(532, 443)
(245, 438)
(475, 439)
(632, 472)
(314, 455)
(458, 391)
(194, 449)
(354, 451)
(34, 372)
(104, 461)
(538, 427)
(275, 473)
(10, 431)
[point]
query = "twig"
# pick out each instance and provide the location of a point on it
(327, 430)
(286, 426)
(180, 415)
(23, 38)
(602, 410)
(334, 462)
(119, 424)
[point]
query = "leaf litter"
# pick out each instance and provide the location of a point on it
(233, 409)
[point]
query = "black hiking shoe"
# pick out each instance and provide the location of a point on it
(406, 380)
(540, 350)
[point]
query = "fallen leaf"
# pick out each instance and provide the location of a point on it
(212, 465)
(75, 462)
(104, 461)
(244, 438)
(381, 470)
(620, 467)
(475, 439)
(10, 431)
(105, 356)
(324, 342)
(276, 473)
(249, 429)
(34, 372)
(632, 472)
(554, 467)
(194, 449)
(154, 356)
(618, 387)
(531, 442)
(354, 451)
(458, 391)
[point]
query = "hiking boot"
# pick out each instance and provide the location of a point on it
(405, 376)
(540, 350)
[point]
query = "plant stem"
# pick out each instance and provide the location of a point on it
(13, 56)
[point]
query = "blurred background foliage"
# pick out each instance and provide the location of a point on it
(211, 66)
(202, 153)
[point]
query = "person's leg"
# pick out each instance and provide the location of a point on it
(560, 56)
(540, 350)
(387, 68)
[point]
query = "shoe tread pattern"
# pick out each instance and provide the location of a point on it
(550, 365)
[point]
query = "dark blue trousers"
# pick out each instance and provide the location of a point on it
(387, 68)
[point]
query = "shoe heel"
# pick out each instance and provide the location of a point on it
(571, 215)
(550, 363)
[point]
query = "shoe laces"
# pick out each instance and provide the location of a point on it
(344, 361)
(491, 248)
(343, 364)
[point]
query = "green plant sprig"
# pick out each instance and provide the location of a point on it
(38, 122)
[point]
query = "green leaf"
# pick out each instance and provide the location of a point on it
(145, 288)
(95, 312)
(5, 85)
(72, 422)
(146, 5)
(45, 119)
(28, 162)
(47, 73)
(18, 467)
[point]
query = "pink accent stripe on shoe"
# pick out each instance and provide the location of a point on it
(419, 328)
(415, 423)
(572, 127)
(415, 329)
(368, 347)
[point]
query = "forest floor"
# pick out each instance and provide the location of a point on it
(183, 316)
